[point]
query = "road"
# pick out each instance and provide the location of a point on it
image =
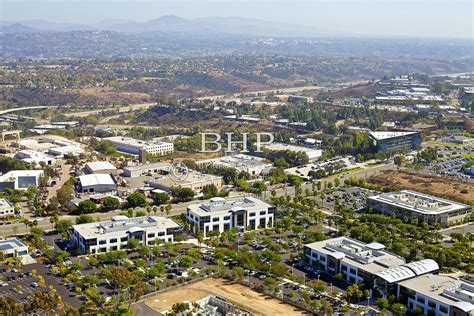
(120, 109)
(177, 209)
(24, 108)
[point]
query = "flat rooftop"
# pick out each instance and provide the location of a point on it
(445, 289)
(222, 205)
(387, 135)
(192, 177)
(11, 243)
(369, 257)
(96, 179)
(311, 152)
(100, 165)
(419, 202)
(134, 142)
(21, 173)
(121, 224)
(4, 204)
(238, 161)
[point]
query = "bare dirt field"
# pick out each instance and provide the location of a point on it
(438, 186)
(238, 294)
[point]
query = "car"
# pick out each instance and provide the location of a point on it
(34, 284)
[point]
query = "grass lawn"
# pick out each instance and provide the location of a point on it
(342, 172)
(444, 144)
(375, 165)
(469, 156)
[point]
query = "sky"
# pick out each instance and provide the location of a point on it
(416, 18)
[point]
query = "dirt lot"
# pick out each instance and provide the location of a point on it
(238, 294)
(438, 186)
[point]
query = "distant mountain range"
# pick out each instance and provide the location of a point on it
(170, 23)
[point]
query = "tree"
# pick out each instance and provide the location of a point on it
(383, 303)
(160, 199)
(399, 160)
(209, 191)
(238, 273)
(133, 243)
(84, 218)
(136, 199)
(110, 203)
(182, 194)
(63, 226)
(398, 309)
(86, 207)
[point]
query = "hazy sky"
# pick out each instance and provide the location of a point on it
(436, 18)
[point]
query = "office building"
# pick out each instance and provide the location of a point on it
(313, 154)
(221, 214)
(114, 234)
(424, 207)
(20, 179)
(441, 295)
(394, 141)
(6, 209)
(12, 247)
(193, 180)
(246, 163)
(93, 183)
(355, 260)
(133, 146)
(103, 167)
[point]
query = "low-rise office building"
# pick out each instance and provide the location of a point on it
(92, 183)
(6, 209)
(13, 247)
(250, 164)
(20, 179)
(424, 207)
(355, 260)
(394, 141)
(144, 169)
(114, 234)
(441, 295)
(313, 154)
(134, 146)
(104, 167)
(221, 215)
(194, 181)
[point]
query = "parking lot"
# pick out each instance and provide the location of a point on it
(450, 168)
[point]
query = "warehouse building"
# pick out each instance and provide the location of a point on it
(103, 167)
(133, 146)
(113, 235)
(35, 157)
(20, 179)
(424, 207)
(221, 215)
(394, 141)
(146, 169)
(93, 183)
(193, 180)
(313, 154)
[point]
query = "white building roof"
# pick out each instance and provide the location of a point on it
(21, 173)
(222, 205)
(4, 204)
(408, 271)
(100, 165)
(387, 135)
(12, 244)
(96, 179)
(418, 202)
(121, 224)
(312, 153)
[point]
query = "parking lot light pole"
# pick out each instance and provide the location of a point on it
(318, 277)
(330, 285)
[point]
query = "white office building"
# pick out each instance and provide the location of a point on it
(6, 209)
(13, 247)
(249, 164)
(133, 146)
(441, 295)
(20, 179)
(104, 167)
(224, 214)
(424, 207)
(114, 234)
(93, 183)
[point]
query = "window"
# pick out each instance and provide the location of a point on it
(123, 239)
(226, 226)
(443, 309)
(420, 300)
(263, 212)
(215, 219)
(113, 248)
(102, 249)
(252, 214)
(161, 233)
(352, 271)
(215, 227)
(226, 218)
(151, 235)
(113, 240)
(343, 268)
(323, 259)
(102, 242)
(431, 304)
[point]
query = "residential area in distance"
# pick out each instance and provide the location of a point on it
(194, 167)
